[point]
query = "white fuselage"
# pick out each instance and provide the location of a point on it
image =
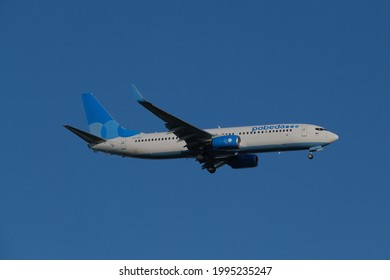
(254, 139)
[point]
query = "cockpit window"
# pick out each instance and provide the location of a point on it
(320, 128)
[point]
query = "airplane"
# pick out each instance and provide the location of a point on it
(212, 148)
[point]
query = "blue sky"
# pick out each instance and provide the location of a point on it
(211, 63)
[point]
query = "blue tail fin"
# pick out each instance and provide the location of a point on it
(100, 122)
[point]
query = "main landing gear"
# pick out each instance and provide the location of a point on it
(209, 166)
(200, 158)
(211, 169)
(310, 156)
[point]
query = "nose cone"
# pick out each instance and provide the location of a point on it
(333, 137)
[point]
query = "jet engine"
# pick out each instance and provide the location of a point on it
(226, 142)
(243, 161)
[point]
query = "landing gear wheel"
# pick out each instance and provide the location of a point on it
(211, 169)
(200, 158)
(310, 156)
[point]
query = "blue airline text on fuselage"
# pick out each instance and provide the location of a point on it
(278, 126)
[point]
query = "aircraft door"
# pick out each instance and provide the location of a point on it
(304, 130)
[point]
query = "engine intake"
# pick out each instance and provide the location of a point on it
(244, 161)
(226, 142)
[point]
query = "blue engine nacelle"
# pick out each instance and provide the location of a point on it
(226, 142)
(244, 161)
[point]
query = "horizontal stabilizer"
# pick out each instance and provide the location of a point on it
(91, 139)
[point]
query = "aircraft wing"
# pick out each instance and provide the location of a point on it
(193, 136)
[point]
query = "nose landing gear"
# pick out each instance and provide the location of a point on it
(314, 149)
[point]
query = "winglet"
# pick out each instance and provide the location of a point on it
(137, 95)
